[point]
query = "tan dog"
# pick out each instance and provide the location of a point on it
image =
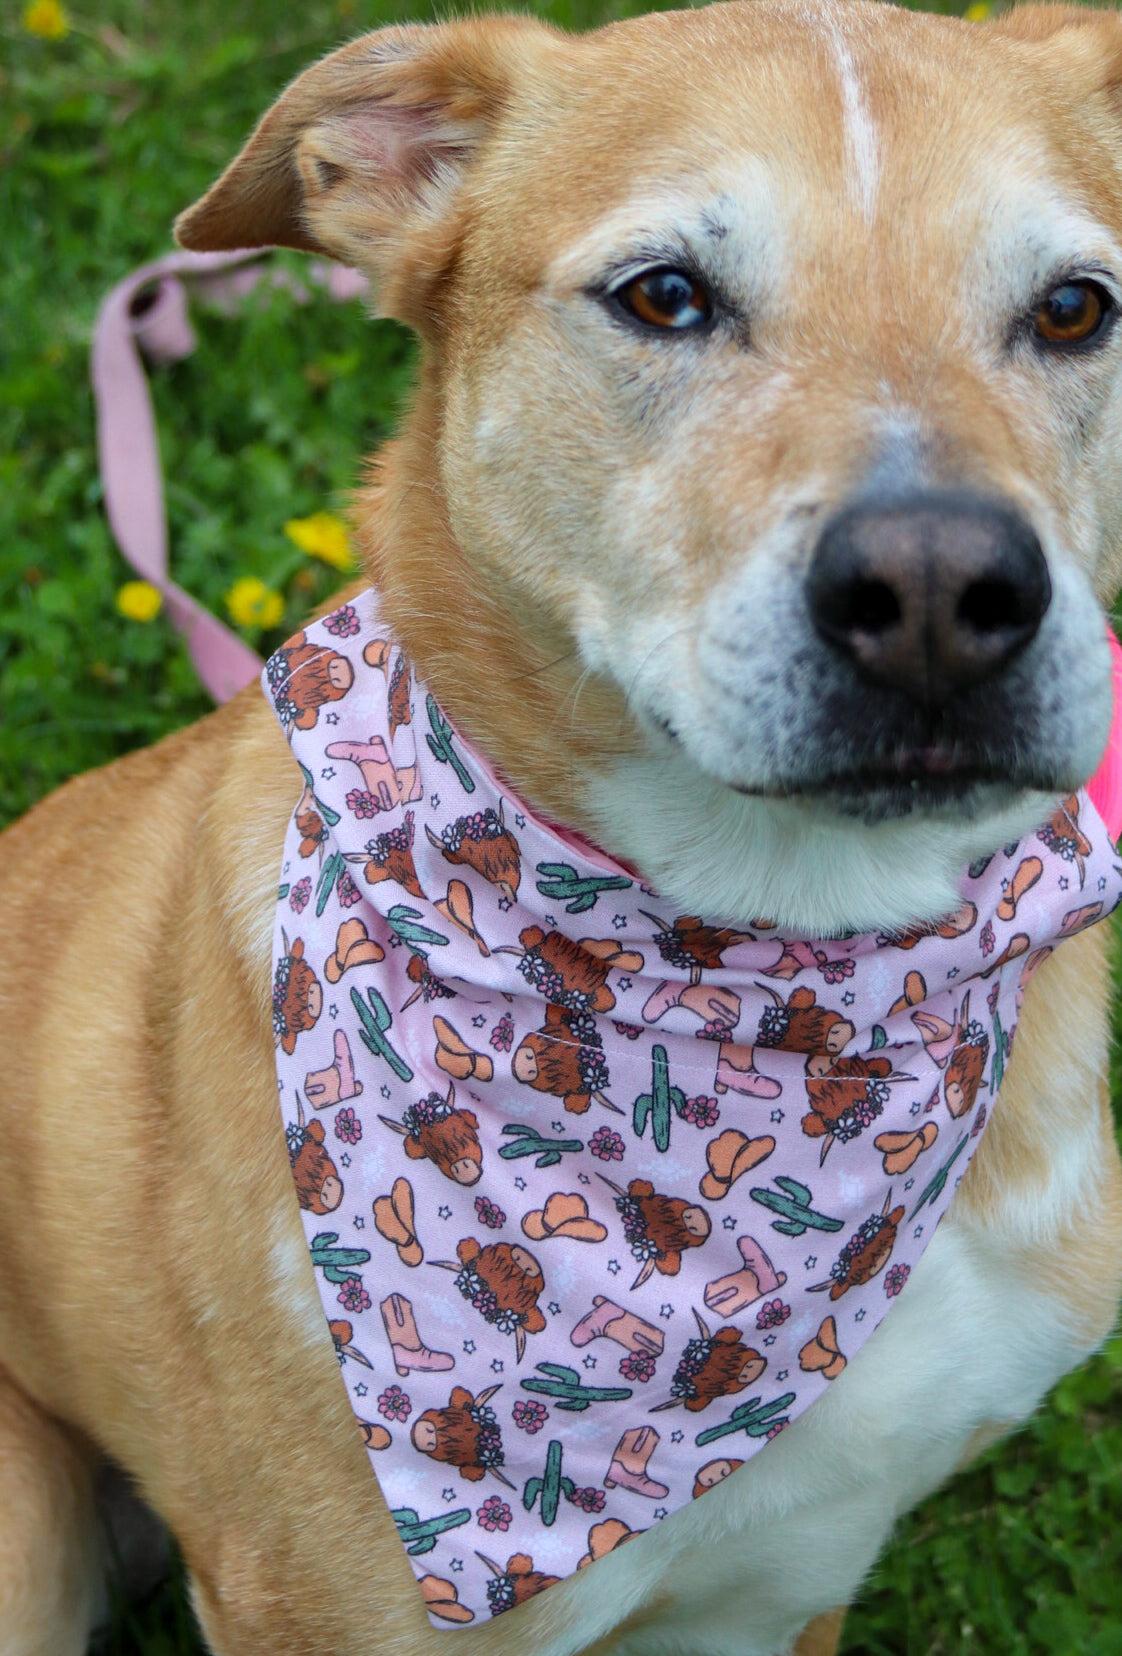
(698, 293)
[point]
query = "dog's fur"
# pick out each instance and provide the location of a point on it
(592, 544)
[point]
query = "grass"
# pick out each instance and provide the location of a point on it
(104, 136)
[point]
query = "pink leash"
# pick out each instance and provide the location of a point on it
(146, 316)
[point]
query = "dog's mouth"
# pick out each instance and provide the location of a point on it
(930, 782)
(927, 777)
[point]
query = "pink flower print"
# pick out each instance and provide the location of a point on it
(701, 1111)
(531, 1417)
(489, 1214)
(606, 1145)
(347, 1126)
(774, 1431)
(895, 1278)
(300, 895)
(343, 622)
(394, 1404)
(589, 1500)
(637, 1365)
(979, 1121)
(986, 938)
(992, 997)
(353, 1296)
(835, 971)
(346, 890)
(773, 1314)
(502, 1036)
(494, 1514)
(630, 1030)
(714, 1030)
(362, 803)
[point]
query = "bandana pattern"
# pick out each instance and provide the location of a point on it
(599, 1197)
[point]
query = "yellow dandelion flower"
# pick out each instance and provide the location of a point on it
(252, 604)
(139, 601)
(47, 19)
(324, 537)
(979, 11)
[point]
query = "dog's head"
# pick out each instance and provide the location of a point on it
(765, 480)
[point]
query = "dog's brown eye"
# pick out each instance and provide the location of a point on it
(666, 299)
(1072, 313)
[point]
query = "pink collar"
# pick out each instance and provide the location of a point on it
(599, 1197)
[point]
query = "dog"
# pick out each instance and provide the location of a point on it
(758, 498)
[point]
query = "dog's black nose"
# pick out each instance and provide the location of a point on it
(929, 592)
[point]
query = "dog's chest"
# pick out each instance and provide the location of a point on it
(636, 1188)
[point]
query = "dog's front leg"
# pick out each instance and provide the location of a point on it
(52, 1588)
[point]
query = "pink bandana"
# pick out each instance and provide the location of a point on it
(599, 1196)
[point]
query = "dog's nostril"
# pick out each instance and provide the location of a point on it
(868, 606)
(989, 606)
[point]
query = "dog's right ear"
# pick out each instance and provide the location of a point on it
(363, 156)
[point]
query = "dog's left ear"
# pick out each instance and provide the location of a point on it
(364, 156)
(1077, 38)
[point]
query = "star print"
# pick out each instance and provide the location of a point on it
(915, 1108)
(285, 868)
(479, 1020)
(331, 718)
(619, 921)
(660, 1512)
(333, 1009)
(520, 1183)
(1063, 882)
(434, 800)
(729, 1222)
(556, 1125)
(589, 1363)
(810, 1261)
(519, 820)
(457, 1565)
(505, 904)
(549, 920)
(394, 940)
(666, 1312)
(449, 1494)
(496, 1365)
(781, 1375)
(859, 1316)
(918, 1232)
(769, 1339)
(327, 772)
(624, 984)
(444, 1212)
(359, 1222)
(583, 1178)
(345, 1160)
(614, 1267)
(908, 1183)
(848, 998)
(676, 1437)
(361, 1390)
(952, 972)
(1102, 882)
(777, 1116)
(384, 1090)
(469, 1347)
(554, 1308)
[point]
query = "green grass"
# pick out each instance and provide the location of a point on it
(104, 136)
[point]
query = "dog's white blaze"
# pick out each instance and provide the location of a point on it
(860, 129)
